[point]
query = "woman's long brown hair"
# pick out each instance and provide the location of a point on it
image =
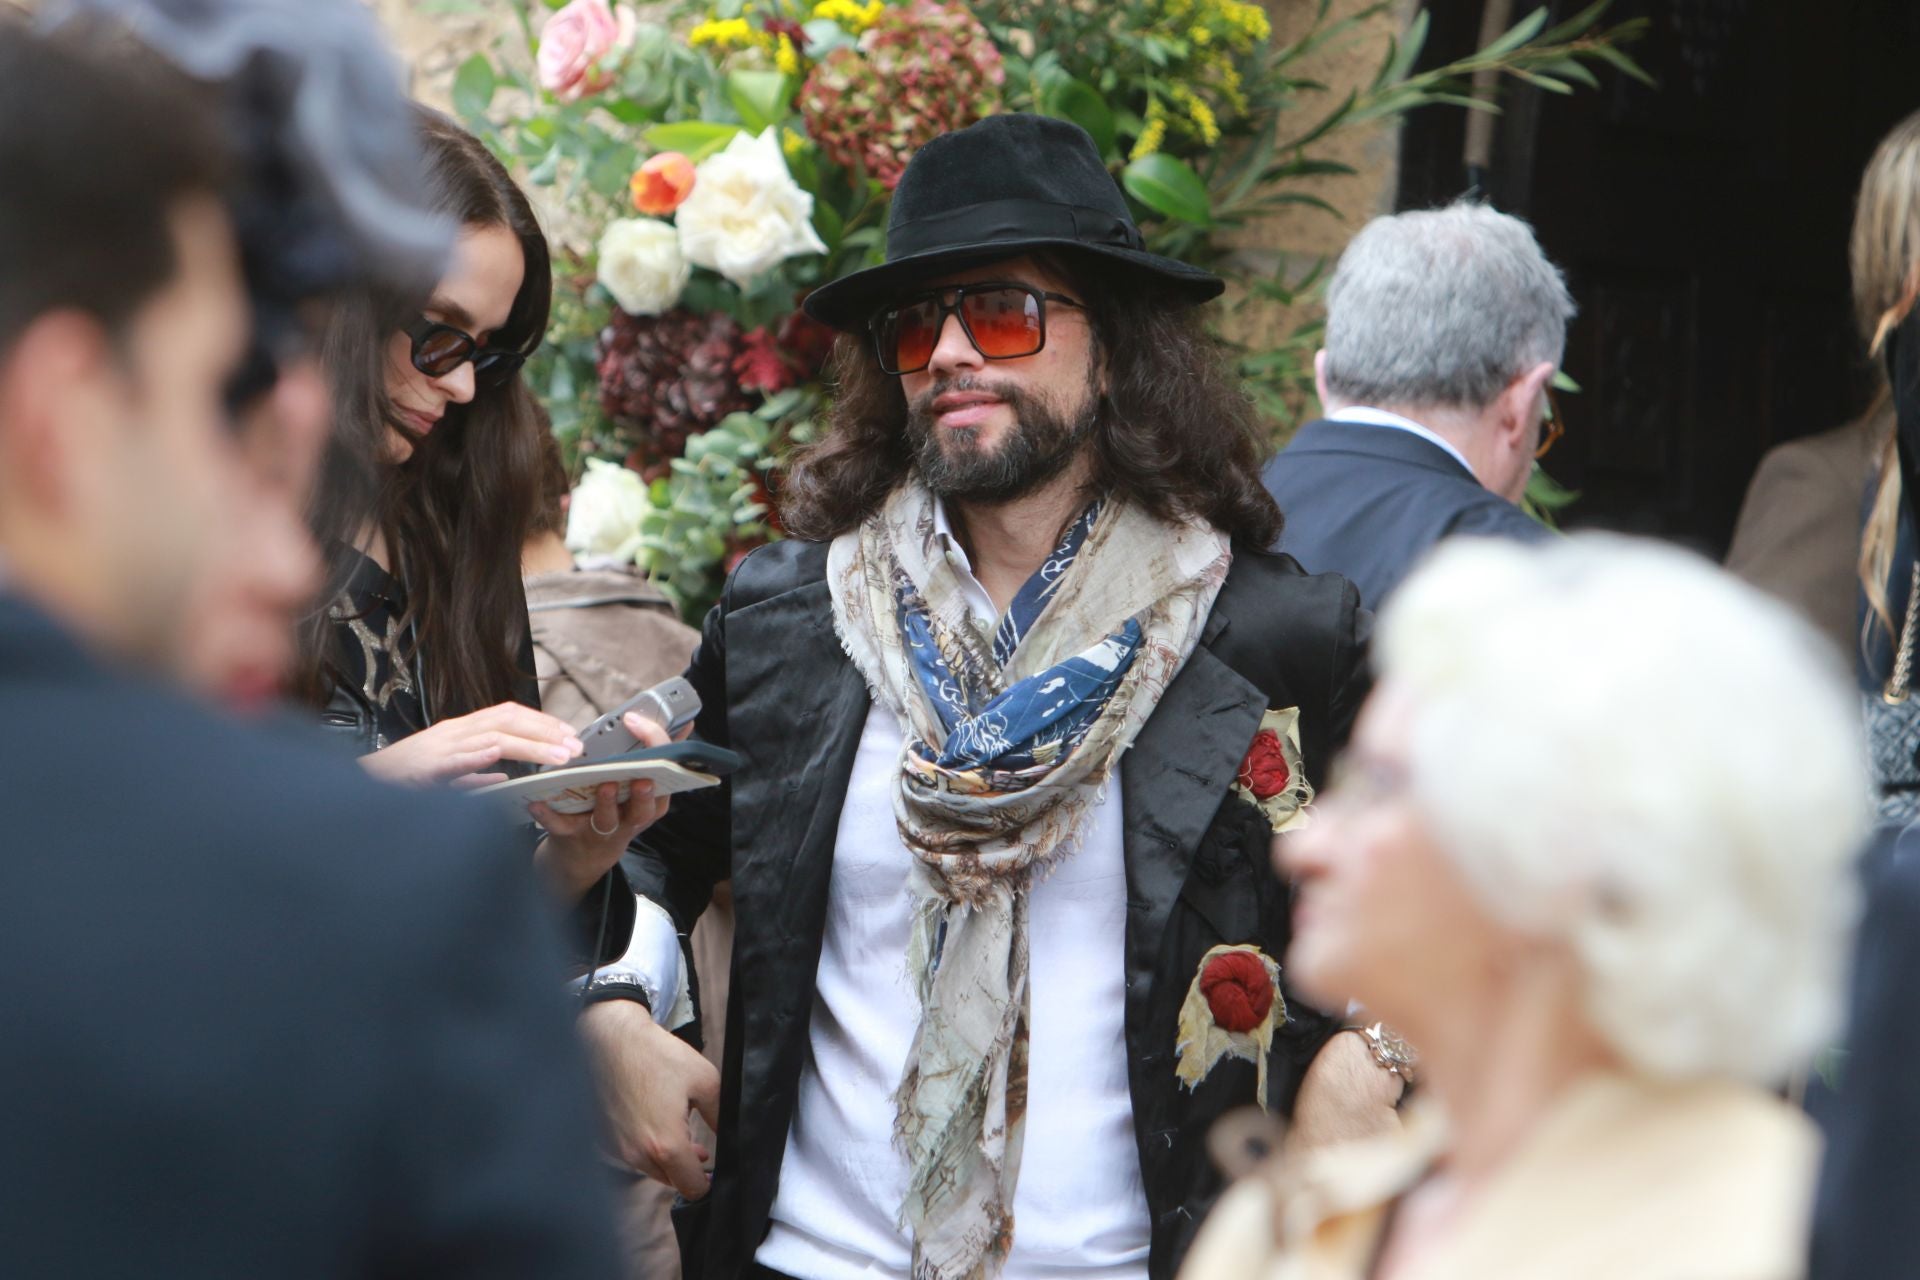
(1174, 433)
(1884, 259)
(455, 514)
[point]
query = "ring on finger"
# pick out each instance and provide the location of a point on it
(595, 827)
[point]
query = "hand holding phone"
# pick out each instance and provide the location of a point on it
(671, 704)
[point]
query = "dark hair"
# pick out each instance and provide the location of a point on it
(456, 513)
(1174, 432)
(88, 182)
(551, 515)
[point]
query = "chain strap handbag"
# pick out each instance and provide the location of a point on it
(1892, 724)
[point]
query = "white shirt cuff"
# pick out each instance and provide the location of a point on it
(653, 958)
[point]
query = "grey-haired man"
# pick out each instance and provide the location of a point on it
(1444, 328)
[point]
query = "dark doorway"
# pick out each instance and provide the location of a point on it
(1703, 229)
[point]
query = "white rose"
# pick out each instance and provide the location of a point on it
(603, 519)
(746, 214)
(641, 265)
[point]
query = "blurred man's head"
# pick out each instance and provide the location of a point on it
(323, 191)
(1454, 318)
(122, 318)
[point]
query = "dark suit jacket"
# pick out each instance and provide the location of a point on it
(1864, 1222)
(1368, 502)
(306, 1026)
(778, 689)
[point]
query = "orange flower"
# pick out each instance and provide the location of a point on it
(662, 183)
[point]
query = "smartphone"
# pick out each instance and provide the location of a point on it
(671, 704)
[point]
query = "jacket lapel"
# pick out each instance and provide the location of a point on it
(797, 705)
(1173, 779)
(795, 697)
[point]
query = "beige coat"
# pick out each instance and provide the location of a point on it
(1625, 1179)
(1798, 537)
(599, 637)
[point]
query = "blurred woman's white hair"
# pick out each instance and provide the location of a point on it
(1622, 747)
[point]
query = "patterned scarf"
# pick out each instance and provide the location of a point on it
(1010, 739)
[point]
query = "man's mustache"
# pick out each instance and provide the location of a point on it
(922, 405)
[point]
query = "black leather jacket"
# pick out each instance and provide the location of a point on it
(357, 725)
(599, 926)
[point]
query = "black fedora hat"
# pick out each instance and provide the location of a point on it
(995, 190)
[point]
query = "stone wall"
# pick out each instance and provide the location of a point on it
(1303, 233)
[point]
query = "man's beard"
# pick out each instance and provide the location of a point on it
(1038, 446)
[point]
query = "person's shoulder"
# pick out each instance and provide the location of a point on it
(1272, 583)
(1841, 459)
(1281, 627)
(305, 817)
(775, 569)
(1483, 513)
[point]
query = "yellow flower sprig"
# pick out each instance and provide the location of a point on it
(1198, 114)
(1154, 136)
(851, 14)
(1234, 23)
(728, 33)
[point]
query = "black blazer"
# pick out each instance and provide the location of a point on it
(1863, 1223)
(262, 1016)
(778, 689)
(1368, 502)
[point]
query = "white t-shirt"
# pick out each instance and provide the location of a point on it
(1080, 1208)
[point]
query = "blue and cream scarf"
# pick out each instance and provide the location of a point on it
(1011, 735)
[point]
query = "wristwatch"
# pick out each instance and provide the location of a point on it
(615, 986)
(1394, 1054)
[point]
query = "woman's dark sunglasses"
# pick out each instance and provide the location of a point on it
(439, 349)
(1003, 321)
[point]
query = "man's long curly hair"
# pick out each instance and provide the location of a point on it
(1174, 432)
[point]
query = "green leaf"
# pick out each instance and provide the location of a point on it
(1622, 63)
(1568, 69)
(626, 110)
(824, 35)
(1069, 99)
(612, 169)
(1401, 62)
(544, 173)
(828, 222)
(1302, 197)
(761, 97)
(1524, 30)
(1541, 82)
(473, 87)
(1168, 186)
(697, 139)
(1578, 23)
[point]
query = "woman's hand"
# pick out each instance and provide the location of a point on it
(455, 750)
(581, 847)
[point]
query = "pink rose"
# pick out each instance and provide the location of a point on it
(576, 41)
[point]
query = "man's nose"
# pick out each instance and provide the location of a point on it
(953, 352)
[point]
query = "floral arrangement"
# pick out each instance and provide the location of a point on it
(705, 168)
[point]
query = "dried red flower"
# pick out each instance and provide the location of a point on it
(761, 365)
(1239, 993)
(1264, 772)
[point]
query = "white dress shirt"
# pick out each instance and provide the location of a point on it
(1365, 415)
